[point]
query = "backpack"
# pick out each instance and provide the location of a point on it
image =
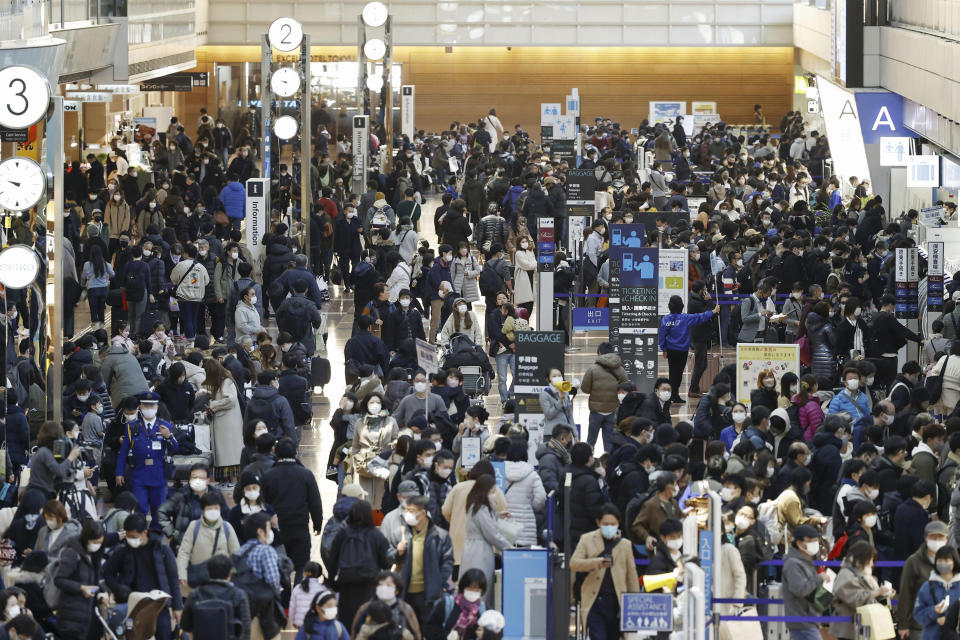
(51, 593)
(213, 620)
(793, 411)
(355, 566)
(133, 287)
(519, 204)
(491, 282)
(633, 508)
(767, 514)
(379, 219)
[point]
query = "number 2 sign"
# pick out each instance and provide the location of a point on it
(24, 97)
(285, 34)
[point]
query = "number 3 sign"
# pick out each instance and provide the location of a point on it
(24, 97)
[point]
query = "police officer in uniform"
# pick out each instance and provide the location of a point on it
(152, 442)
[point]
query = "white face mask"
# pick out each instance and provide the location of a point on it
(410, 518)
(726, 494)
(270, 537)
(739, 416)
(252, 495)
(771, 470)
(444, 473)
(234, 254)
(936, 545)
(524, 245)
(373, 408)
(93, 547)
(420, 387)
(211, 515)
(52, 524)
(888, 418)
(427, 462)
(794, 388)
(621, 396)
(404, 302)
(83, 397)
(117, 197)
(870, 381)
(461, 309)
(812, 548)
(556, 380)
(134, 542)
(149, 414)
(386, 592)
(663, 395)
(675, 544)
(13, 611)
(853, 384)
(253, 300)
(198, 484)
(742, 522)
(870, 521)
(329, 613)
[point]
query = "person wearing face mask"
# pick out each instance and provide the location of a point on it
(730, 434)
(186, 506)
(77, 577)
(556, 403)
(852, 400)
(386, 606)
(261, 557)
(830, 444)
(320, 621)
(143, 563)
(482, 534)
(418, 464)
(456, 616)
(248, 500)
(205, 537)
(862, 527)
(373, 433)
(766, 392)
(190, 279)
(605, 556)
(751, 542)
(856, 586)
(935, 596)
(143, 452)
(116, 219)
(800, 580)
(425, 556)
(59, 528)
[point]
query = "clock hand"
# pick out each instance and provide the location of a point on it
(16, 184)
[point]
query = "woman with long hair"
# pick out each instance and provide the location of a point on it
(462, 320)
(226, 430)
(482, 537)
(95, 277)
(374, 433)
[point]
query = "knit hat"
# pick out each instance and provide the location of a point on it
(805, 531)
(353, 490)
(249, 477)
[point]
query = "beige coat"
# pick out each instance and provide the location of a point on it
(734, 581)
(524, 276)
(227, 429)
(190, 553)
(117, 217)
(454, 509)
(586, 559)
(367, 444)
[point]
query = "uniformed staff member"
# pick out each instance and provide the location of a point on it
(153, 441)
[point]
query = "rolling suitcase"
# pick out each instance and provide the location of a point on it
(319, 372)
(150, 317)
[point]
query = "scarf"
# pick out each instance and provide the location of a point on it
(559, 449)
(469, 611)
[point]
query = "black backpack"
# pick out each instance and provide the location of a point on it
(355, 566)
(135, 290)
(213, 618)
(491, 282)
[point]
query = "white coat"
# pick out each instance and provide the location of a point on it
(525, 498)
(227, 429)
(399, 280)
(247, 321)
(524, 277)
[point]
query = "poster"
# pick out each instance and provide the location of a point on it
(703, 107)
(704, 120)
(935, 270)
(427, 357)
(923, 171)
(907, 283)
(469, 451)
(666, 110)
(549, 113)
(673, 274)
(754, 358)
(144, 129)
(931, 216)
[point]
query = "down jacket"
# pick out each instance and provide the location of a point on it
(183, 507)
(525, 498)
(601, 380)
(821, 337)
(77, 568)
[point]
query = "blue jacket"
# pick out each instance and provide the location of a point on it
(17, 435)
(439, 272)
(510, 200)
(234, 199)
(367, 348)
(290, 276)
(933, 591)
(857, 407)
(675, 329)
(147, 444)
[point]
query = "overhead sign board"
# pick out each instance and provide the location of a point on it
(894, 151)
(881, 114)
(923, 171)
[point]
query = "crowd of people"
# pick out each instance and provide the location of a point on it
(191, 404)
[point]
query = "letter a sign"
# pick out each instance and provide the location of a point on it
(884, 119)
(881, 115)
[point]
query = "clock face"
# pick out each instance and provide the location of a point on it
(285, 82)
(285, 34)
(21, 183)
(24, 97)
(285, 127)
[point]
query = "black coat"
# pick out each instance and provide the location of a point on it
(291, 489)
(220, 590)
(118, 570)
(454, 229)
(700, 332)
(585, 501)
(654, 410)
(77, 568)
(890, 334)
(296, 390)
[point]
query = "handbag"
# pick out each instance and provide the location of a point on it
(742, 629)
(197, 574)
(877, 621)
(820, 598)
(220, 218)
(934, 384)
(805, 356)
(509, 529)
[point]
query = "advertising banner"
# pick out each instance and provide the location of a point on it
(703, 107)
(634, 313)
(935, 276)
(907, 283)
(666, 110)
(144, 129)
(754, 358)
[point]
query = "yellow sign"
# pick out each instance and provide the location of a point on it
(800, 85)
(754, 358)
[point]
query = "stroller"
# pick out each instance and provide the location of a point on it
(473, 363)
(135, 620)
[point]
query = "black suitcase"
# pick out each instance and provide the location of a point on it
(150, 317)
(319, 372)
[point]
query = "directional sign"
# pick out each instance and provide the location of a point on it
(646, 612)
(427, 357)
(549, 112)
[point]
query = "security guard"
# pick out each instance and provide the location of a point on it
(153, 441)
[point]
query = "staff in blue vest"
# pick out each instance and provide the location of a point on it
(144, 447)
(675, 339)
